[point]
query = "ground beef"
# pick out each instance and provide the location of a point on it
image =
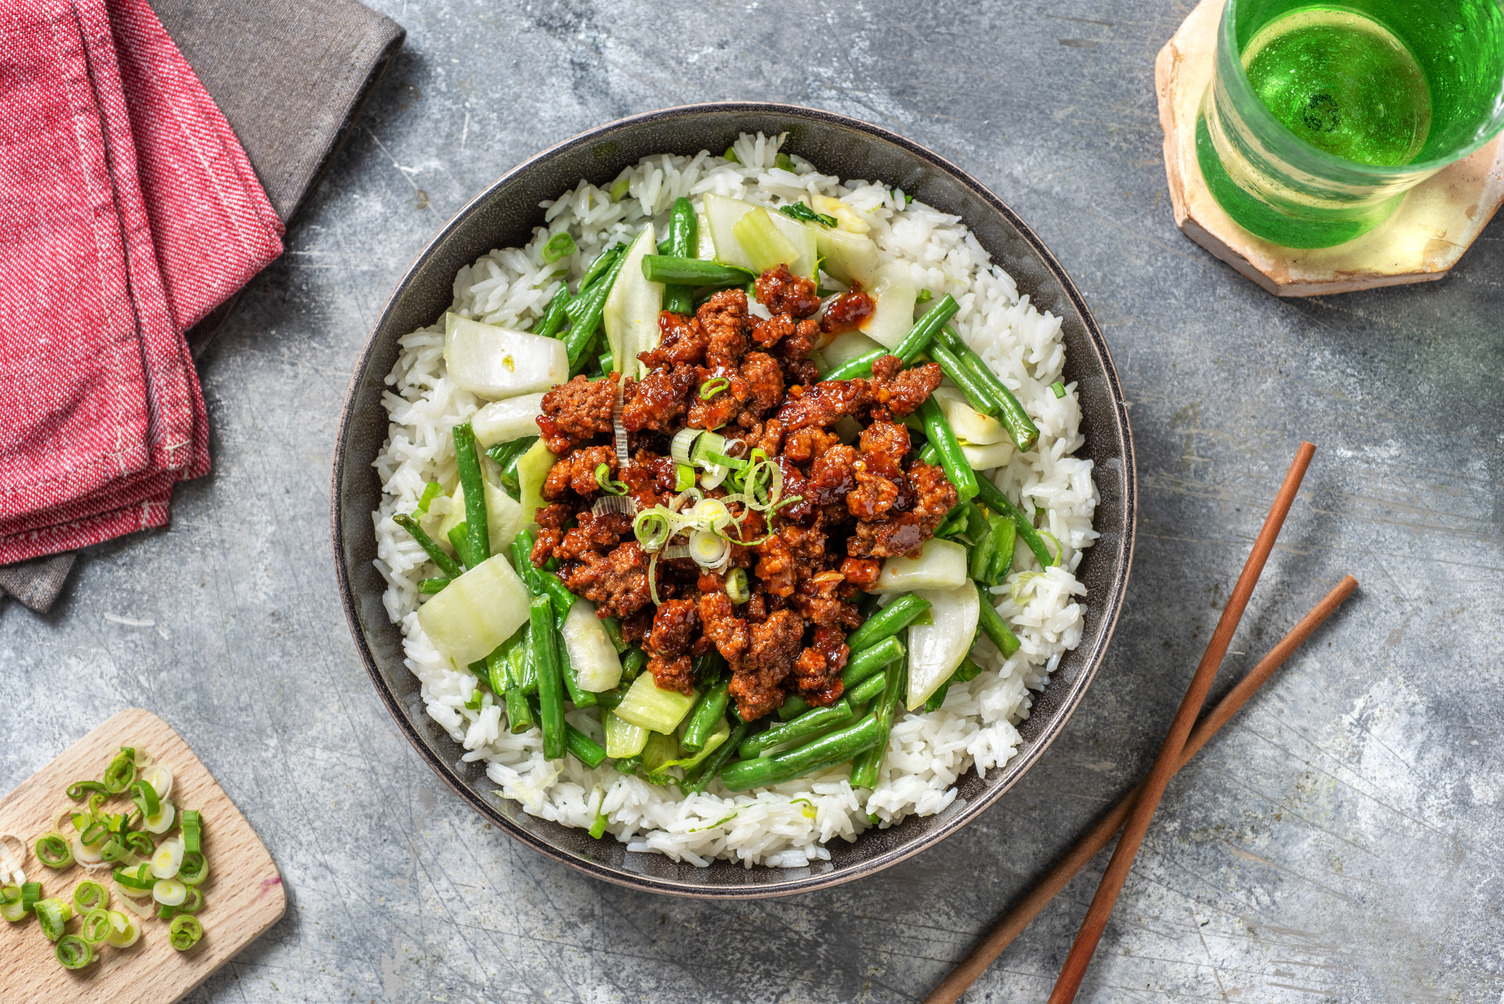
(727, 326)
(843, 506)
(848, 311)
(902, 391)
(576, 473)
(757, 680)
(783, 293)
(674, 627)
(823, 404)
(577, 412)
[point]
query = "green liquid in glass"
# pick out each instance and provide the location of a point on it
(1343, 83)
(1384, 83)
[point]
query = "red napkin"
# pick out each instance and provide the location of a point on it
(128, 210)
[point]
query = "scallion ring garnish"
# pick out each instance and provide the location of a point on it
(53, 914)
(124, 932)
(603, 478)
(193, 869)
(135, 881)
(11, 906)
(613, 504)
(169, 892)
(685, 477)
(185, 932)
(89, 895)
(168, 859)
(681, 447)
(736, 586)
(53, 850)
(653, 580)
(145, 797)
(652, 529)
(78, 789)
(159, 776)
(1059, 388)
(121, 771)
(710, 388)
(73, 952)
(96, 926)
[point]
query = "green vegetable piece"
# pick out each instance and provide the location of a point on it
(799, 211)
(892, 619)
(550, 679)
(560, 245)
(826, 751)
(993, 626)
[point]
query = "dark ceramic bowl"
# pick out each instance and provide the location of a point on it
(503, 216)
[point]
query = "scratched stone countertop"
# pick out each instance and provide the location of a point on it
(1341, 841)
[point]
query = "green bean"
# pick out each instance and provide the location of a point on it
(711, 766)
(869, 660)
(582, 332)
(632, 664)
(968, 670)
(861, 366)
(826, 751)
(926, 328)
(682, 227)
(1002, 554)
(793, 706)
(993, 626)
(505, 457)
(478, 533)
(992, 496)
(613, 631)
(706, 715)
(602, 263)
(505, 681)
(978, 395)
(558, 592)
(866, 690)
(430, 586)
(446, 564)
(605, 361)
(981, 554)
(953, 521)
(521, 660)
(930, 455)
(864, 771)
(578, 695)
(693, 272)
(522, 561)
(586, 750)
(935, 700)
(808, 724)
(553, 318)
(459, 539)
(977, 526)
(893, 618)
(1025, 433)
(943, 439)
(550, 682)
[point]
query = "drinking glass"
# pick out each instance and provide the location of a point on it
(1320, 116)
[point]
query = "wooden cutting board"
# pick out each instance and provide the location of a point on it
(243, 894)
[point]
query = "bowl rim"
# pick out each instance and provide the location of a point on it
(809, 882)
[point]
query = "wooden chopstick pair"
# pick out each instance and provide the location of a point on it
(1134, 811)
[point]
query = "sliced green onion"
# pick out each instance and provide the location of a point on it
(53, 914)
(722, 460)
(736, 586)
(560, 245)
(707, 549)
(79, 789)
(53, 850)
(136, 880)
(11, 906)
(1059, 550)
(193, 831)
(145, 797)
(123, 931)
(95, 926)
(800, 211)
(169, 892)
(121, 771)
(652, 529)
(185, 932)
(710, 388)
(162, 821)
(685, 479)
(89, 895)
(431, 491)
(681, 448)
(603, 478)
(730, 155)
(73, 952)
(1059, 388)
(785, 162)
(168, 859)
(193, 869)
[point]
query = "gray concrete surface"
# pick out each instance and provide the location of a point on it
(1343, 841)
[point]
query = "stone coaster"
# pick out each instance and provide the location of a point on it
(1424, 238)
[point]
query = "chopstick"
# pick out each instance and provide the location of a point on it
(1100, 835)
(1153, 787)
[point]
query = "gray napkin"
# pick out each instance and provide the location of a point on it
(291, 76)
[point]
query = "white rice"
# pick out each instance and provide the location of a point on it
(788, 825)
